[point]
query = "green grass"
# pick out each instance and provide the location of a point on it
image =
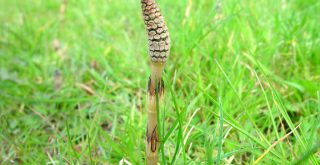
(240, 77)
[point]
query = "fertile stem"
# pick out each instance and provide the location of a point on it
(159, 47)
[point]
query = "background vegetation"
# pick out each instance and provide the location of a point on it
(242, 82)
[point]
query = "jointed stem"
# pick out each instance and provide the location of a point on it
(152, 138)
(159, 46)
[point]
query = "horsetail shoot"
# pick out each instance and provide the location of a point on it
(159, 49)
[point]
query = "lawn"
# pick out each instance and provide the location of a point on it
(242, 83)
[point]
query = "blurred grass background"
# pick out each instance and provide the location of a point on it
(242, 82)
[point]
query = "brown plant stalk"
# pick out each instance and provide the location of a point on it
(159, 48)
